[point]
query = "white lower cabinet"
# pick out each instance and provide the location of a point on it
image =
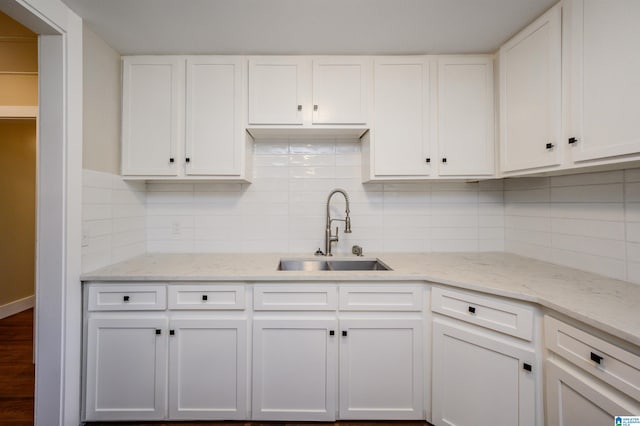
(575, 398)
(480, 378)
(126, 368)
(208, 369)
(295, 368)
(381, 369)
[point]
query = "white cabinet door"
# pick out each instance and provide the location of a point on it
(340, 90)
(574, 398)
(214, 137)
(152, 114)
(605, 77)
(294, 369)
(401, 139)
(530, 96)
(480, 380)
(381, 369)
(126, 368)
(465, 116)
(277, 90)
(208, 369)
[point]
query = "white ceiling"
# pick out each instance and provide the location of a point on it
(307, 26)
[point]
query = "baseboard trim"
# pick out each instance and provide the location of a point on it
(17, 306)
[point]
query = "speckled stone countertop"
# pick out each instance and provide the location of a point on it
(610, 305)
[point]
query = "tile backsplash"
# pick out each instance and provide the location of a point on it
(284, 209)
(589, 221)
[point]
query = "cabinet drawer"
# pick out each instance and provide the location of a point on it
(127, 297)
(295, 297)
(206, 296)
(492, 313)
(380, 298)
(610, 363)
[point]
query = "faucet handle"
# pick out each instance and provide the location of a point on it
(318, 252)
(357, 250)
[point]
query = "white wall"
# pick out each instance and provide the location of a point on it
(588, 221)
(283, 210)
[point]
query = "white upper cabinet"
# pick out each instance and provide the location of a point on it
(465, 116)
(152, 114)
(182, 117)
(340, 90)
(276, 90)
(301, 92)
(604, 68)
(399, 144)
(214, 134)
(530, 96)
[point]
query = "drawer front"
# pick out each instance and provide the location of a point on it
(494, 314)
(610, 363)
(127, 297)
(380, 298)
(207, 296)
(295, 297)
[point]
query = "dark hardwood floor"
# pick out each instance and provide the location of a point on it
(17, 383)
(16, 369)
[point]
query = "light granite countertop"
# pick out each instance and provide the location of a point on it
(610, 305)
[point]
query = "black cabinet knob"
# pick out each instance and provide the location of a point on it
(171, 160)
(472, 309)
(344, 333)
(125, 298)
(444, 160)
(158, 331)
(332, 332)
(427, 160)
(596, 358)
(526, 366)
(187, 159)
(172, 332)
(205, 297)
(572, 141)
(550, 145)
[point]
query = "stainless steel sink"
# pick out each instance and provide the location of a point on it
(332, 265)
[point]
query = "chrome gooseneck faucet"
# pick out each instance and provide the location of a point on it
(328, 236)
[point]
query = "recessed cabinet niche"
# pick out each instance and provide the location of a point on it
(182, 118)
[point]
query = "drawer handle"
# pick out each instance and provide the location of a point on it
(344, 333)
(332, 332)
(158, 332)
(205, 297)
(596, 358)
(549, 145)
(125, 298)
(526, 366)
(172, 332)
(472, 309)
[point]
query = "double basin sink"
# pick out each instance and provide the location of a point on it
(332, 265)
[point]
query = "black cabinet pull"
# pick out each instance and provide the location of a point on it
(596, 358)
(332, 332)
(125, 298)
(427, 160)
(526, 366)
(472, 309)
(158, 331)
(550, 145)
(204, 297)
(444, 160)
(171, 160)
(572, 141)
(172, 332)
(187, 159)
(299, 107)
(344, 333)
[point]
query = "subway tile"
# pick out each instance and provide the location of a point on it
(271, 161)
(598, 178)
(458, 197)
(536, 238)
(528, 249)
(454, 233)
(313, 147)
(589, 228)
(527, 223)
(633, 272)
(491, 221)
(217, 187)
(589, 245)
(526, 183)
(632, 175)
(491, 245)
(454, 245)
(347, 146)
(486, 233)
(535, 195)
(588, 211)
(443, 221)
(169, 187)
(633, 231)
(491, 209)
(312, 160)
(349, 159)
(97, 212)
(270, 172)
(527, 209)
(404, 245)
(491, 185)
(610, 267)
(96, 195)
(271, 147)
(324, 172)
(608, 193)
(95, 179)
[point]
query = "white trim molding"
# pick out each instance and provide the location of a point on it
(17, 306)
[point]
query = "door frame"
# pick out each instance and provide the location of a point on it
(58, 229)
